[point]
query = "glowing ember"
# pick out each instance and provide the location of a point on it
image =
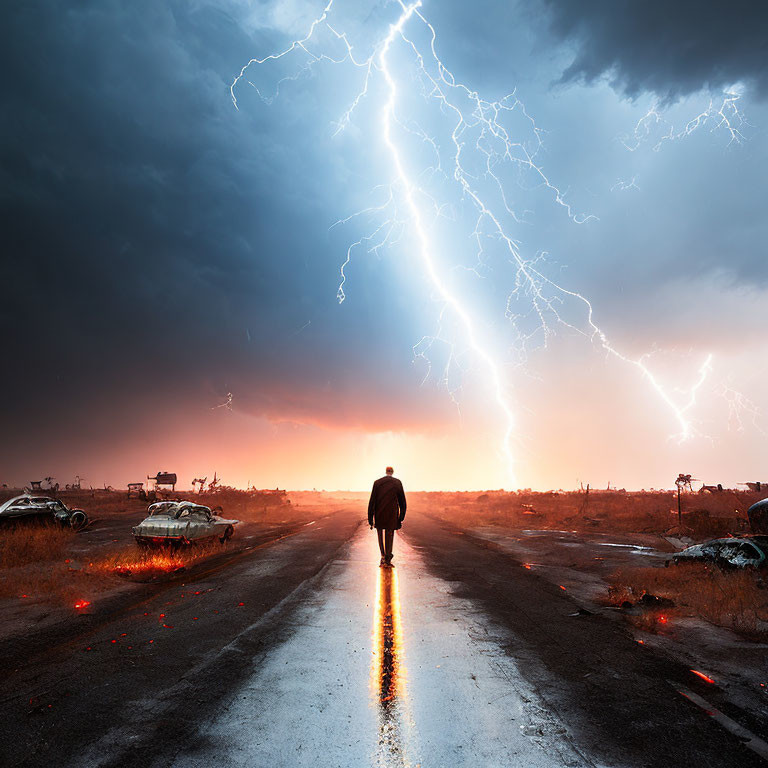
(562, 587)
(527, 565)
(241, 603)
(663, 619)
(704, 677)
(165, 562)
(82, 604)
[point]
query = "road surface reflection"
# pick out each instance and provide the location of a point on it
(388, 669)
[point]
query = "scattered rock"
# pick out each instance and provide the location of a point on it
(654, 601)
(630, 608)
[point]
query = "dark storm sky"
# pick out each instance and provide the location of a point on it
(162, 249)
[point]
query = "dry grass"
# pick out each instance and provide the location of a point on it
(704, 515)
(25, 544)
(733, 599)
(34, 562)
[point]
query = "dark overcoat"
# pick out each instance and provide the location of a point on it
(386, 507)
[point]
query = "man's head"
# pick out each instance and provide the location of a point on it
(390, 471)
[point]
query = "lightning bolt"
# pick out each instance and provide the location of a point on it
(481, 147)
(226, 404)
(725, 115)
(623, 186)
(739, 406)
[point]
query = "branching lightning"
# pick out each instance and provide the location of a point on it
(624, 186)
(653, 126)
(740, 407)
(226, 404)
(481, 150)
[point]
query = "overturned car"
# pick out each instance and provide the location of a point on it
(733, 552)
(182, 522)
(44, 507)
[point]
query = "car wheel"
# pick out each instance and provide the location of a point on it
(78, 519)
(229, 532)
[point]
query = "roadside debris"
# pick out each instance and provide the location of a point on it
(182, 522)
(758, 516)
(654, 601)
(28, 506)
(733, 552)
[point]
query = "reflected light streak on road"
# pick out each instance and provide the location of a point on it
(388, 672)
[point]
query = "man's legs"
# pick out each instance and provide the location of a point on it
(382, 549)
(389, 536)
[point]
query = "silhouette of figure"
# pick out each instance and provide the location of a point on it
(386, 511)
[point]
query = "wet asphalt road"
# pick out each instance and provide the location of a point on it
(303, 652)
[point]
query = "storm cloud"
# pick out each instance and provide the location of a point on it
(668, 48)
(162, 248)
(155, 238)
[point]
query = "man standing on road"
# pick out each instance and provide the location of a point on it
(386, 510)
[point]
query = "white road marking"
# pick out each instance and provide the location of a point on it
(755, 743)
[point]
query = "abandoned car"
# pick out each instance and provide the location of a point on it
(733, 552)
(182, 522)
(27, 506)
(758, 516)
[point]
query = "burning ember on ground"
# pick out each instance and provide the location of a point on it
(704, 677)
(159, 562)
(150, 563)
(82, 604)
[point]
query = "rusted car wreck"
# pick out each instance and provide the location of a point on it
(27, 507)
(182, 522)
(733, 552)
